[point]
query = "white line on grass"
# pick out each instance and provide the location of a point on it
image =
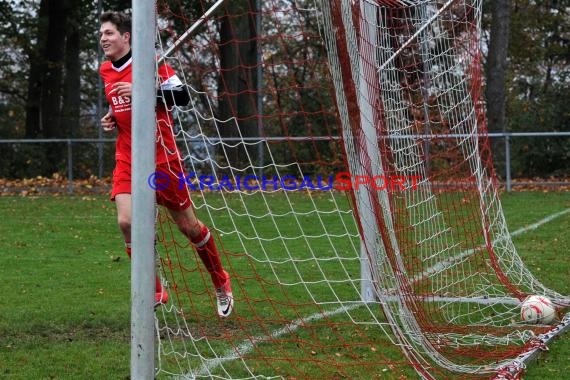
(540, 222)
(248, 345)
(443, 265)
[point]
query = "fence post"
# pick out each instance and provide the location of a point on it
(508, 161)
(69, 166)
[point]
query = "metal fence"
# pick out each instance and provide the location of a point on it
(507, 138)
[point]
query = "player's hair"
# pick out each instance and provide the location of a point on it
(121, 20)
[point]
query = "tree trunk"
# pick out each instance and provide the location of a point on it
(71, 87)
(50, 104)
(497, 65)
(52, 83)
(37, 70)
(238, 81)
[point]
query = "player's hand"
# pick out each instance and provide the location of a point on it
(123, 89)
(108, 122)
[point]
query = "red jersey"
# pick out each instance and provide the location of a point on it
(166, 149)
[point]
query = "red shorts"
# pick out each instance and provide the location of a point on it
(171, 191)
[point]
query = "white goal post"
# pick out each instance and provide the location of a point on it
(143, 196)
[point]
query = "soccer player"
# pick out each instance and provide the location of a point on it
(116, 73)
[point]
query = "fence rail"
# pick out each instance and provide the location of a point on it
(505, 136)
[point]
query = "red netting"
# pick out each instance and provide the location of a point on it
(416, 277)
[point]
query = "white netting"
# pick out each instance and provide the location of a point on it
(334, 283)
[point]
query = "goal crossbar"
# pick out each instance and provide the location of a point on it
(190, 31)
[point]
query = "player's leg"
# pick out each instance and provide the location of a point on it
(177, 200)
(200, 236)
(123, 202)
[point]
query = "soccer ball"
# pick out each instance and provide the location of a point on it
(538, 310)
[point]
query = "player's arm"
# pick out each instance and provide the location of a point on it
(171, 91)
(108, 121)
(171, 96)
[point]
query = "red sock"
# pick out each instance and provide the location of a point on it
(206, 248)
(158, 284)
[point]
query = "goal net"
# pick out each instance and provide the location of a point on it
(338, 152)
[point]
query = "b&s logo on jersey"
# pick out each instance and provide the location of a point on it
(121, 103)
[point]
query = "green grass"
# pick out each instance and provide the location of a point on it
(64, 280)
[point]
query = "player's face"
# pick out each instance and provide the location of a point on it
(115, 45)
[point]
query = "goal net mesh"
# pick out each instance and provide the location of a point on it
(411, 272)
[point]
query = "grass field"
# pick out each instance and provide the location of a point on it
(64, 312)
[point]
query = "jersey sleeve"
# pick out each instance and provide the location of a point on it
(167, 78)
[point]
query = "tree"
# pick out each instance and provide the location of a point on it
(237, 80)
(70, 110)
(37, 69)
(539, 86)
(16, 24)
(48, 77)
(497, 66)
